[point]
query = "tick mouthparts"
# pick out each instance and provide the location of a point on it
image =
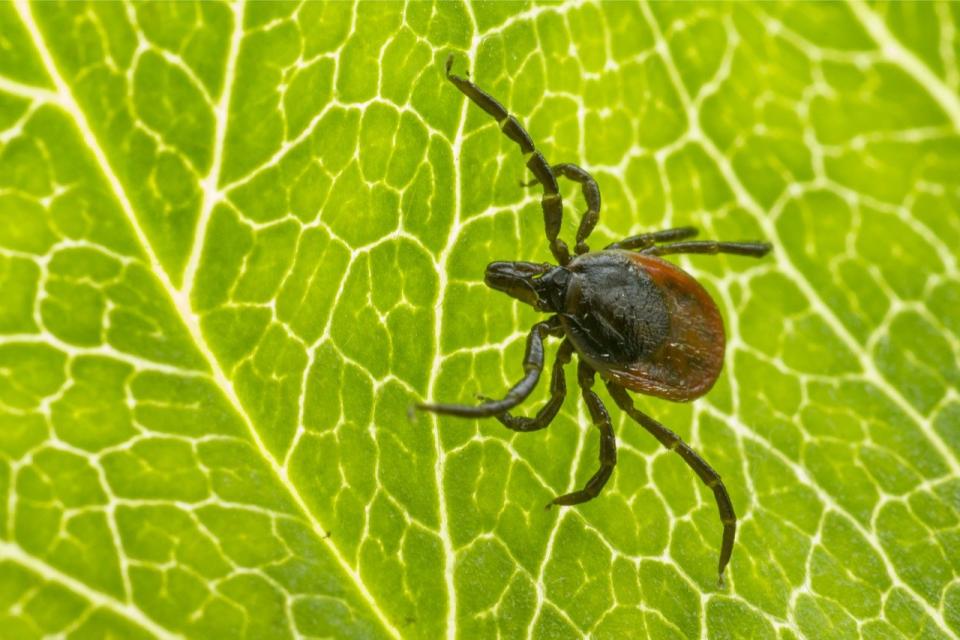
(512, 271)
(515, 279)
(497, 272)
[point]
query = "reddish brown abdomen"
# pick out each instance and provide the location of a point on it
(689, 360)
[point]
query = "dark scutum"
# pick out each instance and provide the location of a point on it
(616, 313)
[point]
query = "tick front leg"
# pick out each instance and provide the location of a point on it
(532, 367)
(711, 478)
(551, 202)
(608, 443)
(558, 392)
(591, 193)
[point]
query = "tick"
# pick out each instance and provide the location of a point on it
(640, 322)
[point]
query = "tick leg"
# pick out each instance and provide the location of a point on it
(532, 367)
(752, 249)
(711, 478)
(591, 193)
(608, 443)
(551, 201)
(558, 392)
(645, 240)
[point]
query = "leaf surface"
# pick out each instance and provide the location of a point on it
(238, 242)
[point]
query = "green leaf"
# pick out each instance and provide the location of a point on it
(238, 242)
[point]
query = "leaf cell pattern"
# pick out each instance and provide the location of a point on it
(237, 241)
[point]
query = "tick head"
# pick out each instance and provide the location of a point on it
(516, 279)
(530, 282)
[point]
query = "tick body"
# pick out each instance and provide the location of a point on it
(643, 323)
(639, 322)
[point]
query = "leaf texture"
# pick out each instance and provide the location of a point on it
(239, 241)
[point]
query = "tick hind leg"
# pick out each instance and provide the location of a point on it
(646, 240)
(751, 249)
(711, 478)
(551, 201)
(608, 443)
